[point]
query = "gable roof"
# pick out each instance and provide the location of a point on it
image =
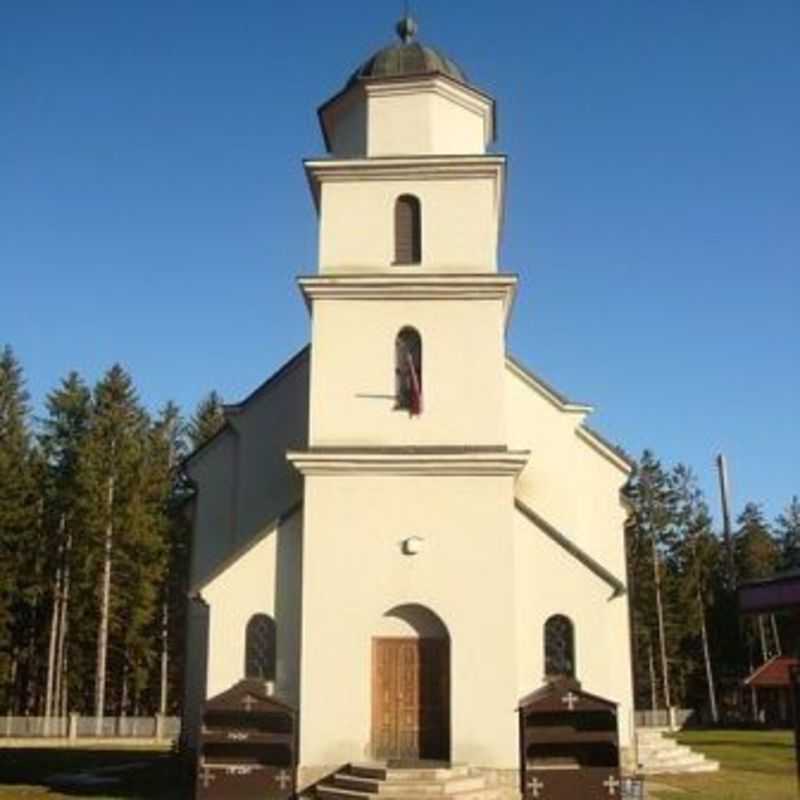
(609, 450)
(244, 548)
(237, 408)
(774, 673)
(567, 544)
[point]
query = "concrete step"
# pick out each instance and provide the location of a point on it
(393, 788)
(659, 754)
(702, 766)
(329, 791)
(380, 771)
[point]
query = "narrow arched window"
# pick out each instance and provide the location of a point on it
(559, 647)
(408, 370)
(259, 648)
(407, 230)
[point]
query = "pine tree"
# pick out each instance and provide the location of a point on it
(111, 463)
(18, 521)
(206, 421)
(698, 553)
(787, 531)
(61, 438)
(757, 556)
(650, 539)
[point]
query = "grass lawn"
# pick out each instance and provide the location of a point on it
(754, 765)
(152, 775)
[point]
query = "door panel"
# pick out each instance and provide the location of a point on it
(410, 698)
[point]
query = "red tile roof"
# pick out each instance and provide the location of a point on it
(773, 673)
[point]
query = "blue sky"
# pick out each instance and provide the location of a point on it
(153, 208)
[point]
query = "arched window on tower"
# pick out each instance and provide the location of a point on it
(408, 370)
(407, 230)
(559, 647)
(259, 648)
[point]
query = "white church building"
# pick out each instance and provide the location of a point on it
(404, 529)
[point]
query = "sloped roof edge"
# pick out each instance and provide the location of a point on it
(612, 451)
(236, 408)
(245, 548)
(549, 392)
(567, 544)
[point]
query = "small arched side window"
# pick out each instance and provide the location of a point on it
(559, 647)
(407, 230)
(259, 648)
(408, 370)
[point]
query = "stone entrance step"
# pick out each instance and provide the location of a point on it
(659, 754)
(365, 781)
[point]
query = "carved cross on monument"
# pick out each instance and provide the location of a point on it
(248, 703)
(208, 777)
(612, 784)
(535, 785)
(571, 700)
(284, 779)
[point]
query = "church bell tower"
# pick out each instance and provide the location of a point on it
(407, 419)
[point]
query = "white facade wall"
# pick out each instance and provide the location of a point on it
(354, 571)
(353, 373)
(460, 224)
(264, 580)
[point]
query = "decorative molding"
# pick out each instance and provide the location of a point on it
(564, 541)
(541, 387)
(604, 448)
(383, 286)
(404, 168)
(433, 462)
(464, 96)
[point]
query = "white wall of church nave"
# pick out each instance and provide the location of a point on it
(566, 481)
(460, 219)
(213, 519)
(244, 482)
(550, 581)
(353, 373)
(355, 571)
(264, 580)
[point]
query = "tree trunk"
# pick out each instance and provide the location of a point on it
(162, 706)
(61, 671)
(661, 635)
(105, 596)
(762, 635)
(65, 687)
(776, 637)
(54, 620)
(652, 666)
(712, 696)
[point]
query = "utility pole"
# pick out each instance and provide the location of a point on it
(724, 494)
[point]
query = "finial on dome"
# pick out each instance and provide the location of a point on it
(406, 29)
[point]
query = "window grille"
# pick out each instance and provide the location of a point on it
(559, 647)
(408, 370)
(259, 648)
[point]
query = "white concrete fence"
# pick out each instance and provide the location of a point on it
(672, 718)
(75, 726)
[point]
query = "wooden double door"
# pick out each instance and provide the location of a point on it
(411, 699)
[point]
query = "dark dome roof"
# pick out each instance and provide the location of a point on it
(406, 59)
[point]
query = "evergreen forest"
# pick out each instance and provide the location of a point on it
(94, 549)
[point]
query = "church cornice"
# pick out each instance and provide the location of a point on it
(426, 167)
(440, 286)
(434, 461)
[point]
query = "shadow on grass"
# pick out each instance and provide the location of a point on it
(116, 773)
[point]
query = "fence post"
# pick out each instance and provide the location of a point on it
(671, 720)
(72, 726)
(159, 725)
(8, 723)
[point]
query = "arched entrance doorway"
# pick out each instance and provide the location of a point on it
(411, 686)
